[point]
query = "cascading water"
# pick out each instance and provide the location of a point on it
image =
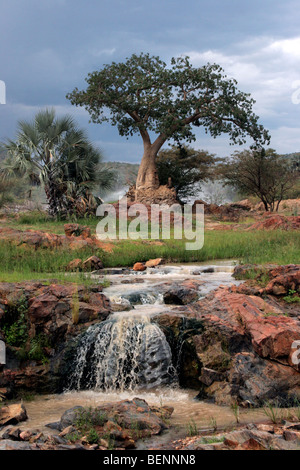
(128, 350)
(123, 352)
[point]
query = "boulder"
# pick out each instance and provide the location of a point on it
(275, 222)
(93, 263)
(76, 230)
(12, 414)
(74, 265)
(55, 315)
(125, 421)
(163, 195)
(284, 282)
(38, 239)
(8, 444)
(139, 267)
(152, 263)
(180, 296)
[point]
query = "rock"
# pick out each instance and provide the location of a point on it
(93, 263)
(121, 306)
(25, 435)
(253, 444)
(40, 438)
(180, 296)
(14, 434)
(275, 222)
(76, 230)
(38, 239)
(162, 195)
(152, 263)
(125, 421)
(69, 447)
(67, 430)
(133, 281)
(244, 271)
(104, 443)
(70, 417)
(139, 267)
(291, 435)
(230, 443)
(254, 380)
(74, 265)
(245, 205)
(94, 447)
(221, 392)
(4, 434)
(13, 445)
(284, 282)
(4, 392)
(213, 357)
(55, 304)
(209, 376)
(12, 414)
(57, 313)
(265, 428)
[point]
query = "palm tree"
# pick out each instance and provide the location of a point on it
(60, 155)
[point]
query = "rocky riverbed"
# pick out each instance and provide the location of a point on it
(231, 342)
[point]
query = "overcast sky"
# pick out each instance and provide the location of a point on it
(49, 46)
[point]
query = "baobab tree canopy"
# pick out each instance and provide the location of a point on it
(143, 95)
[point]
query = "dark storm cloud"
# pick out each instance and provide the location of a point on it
(49, 46)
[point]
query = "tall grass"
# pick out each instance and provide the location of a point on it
(24, 262)
(246, 247)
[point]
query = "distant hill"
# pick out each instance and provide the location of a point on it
(125, 173)
(125, 176)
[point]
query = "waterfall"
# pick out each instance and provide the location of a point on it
(123, 352)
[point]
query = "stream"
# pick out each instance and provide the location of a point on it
(127, 355)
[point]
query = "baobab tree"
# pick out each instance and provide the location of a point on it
(142, 95)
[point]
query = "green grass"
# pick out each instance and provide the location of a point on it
(19, 263)
(256, 247)
(38, 220)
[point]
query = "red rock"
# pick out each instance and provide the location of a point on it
(76, 230)
(230, 443)
(291, 435)
(283, 283)
(272, 335)
(25, 435)
(38, 239)
(93, 263)
(139, 267)
(275, 222)
(152, 263)
(253, 444)
(74, 265)
(12, 414)
(265, 428)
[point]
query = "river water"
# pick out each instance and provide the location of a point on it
(127, 338)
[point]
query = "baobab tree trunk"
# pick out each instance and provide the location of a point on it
(147, 189)
(147, 177)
